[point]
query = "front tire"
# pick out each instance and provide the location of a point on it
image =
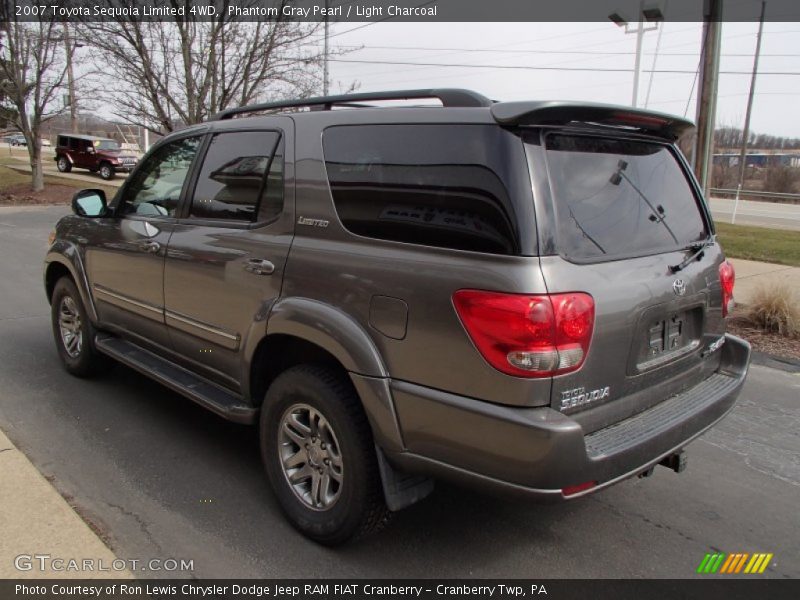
(74, 333)
(63, 164)
(318, 451)
(107, 171)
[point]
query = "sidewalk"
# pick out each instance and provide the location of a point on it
(750, 275)
(36, 520)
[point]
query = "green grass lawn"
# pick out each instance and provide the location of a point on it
(11, 177)
(780, 246)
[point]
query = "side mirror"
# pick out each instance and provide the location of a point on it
(90, 203)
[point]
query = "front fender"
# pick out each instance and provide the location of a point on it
(66, 254)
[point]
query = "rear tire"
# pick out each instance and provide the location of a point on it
(63, 164)
(107, 171)
(74, 333)
(313, 427)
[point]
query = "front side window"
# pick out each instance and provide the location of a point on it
(107, 145)
(436, 185)
(619, 197)
(155, 188)
(241, 178)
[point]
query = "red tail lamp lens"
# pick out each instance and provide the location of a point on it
(528, 335)
(727, 278)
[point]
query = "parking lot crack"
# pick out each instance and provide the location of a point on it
(143, 525)
(623, 513)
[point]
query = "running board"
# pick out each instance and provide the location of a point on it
(222, 402)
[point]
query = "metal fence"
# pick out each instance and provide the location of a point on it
(750, 195)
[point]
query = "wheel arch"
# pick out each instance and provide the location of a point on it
(301, 330)
(64, 260)
(329, 328)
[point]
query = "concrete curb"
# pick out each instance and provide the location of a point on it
(36, 520)
(782, 363)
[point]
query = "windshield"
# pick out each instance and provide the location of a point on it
(107, 145)
(616, 197)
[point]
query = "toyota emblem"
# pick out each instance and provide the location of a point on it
(679, 287)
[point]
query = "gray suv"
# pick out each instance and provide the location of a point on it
(519, 296)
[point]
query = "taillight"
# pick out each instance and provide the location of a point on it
(726, 280)
(528, 335)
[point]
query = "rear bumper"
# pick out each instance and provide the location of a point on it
(539, 451)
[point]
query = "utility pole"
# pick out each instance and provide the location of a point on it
(655, 60)
(644, 16)
(746, 132)
(638, 64)
(707, 98)
(73, 109)
(325, 51)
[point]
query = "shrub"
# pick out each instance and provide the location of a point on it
(724, 177)
(781, 179)
(774, 308)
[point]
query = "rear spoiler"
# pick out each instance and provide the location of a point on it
(662, 125)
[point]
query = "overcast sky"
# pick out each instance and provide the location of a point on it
(578, 46)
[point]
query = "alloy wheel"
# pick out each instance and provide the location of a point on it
(310, 457)
(69, 324)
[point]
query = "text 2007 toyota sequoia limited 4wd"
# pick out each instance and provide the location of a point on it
(522, 296)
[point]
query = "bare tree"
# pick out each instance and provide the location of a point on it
(32, 70)
(169, 74)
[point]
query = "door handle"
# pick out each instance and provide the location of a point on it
(259, 266)
(150, 247)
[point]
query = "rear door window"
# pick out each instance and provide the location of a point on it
(239, 170)
(617, 197)
(438, 185)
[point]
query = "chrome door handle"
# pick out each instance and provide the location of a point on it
(151, 247)
(259, 266)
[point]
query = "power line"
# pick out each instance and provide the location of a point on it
(542, 51)
(546, 68)
(505, 45)
(424, 4)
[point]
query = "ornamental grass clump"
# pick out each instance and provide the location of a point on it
(775, 308)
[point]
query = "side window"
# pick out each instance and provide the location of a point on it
(62, 141)
(241, 178)
(437, 185)
(155, 187)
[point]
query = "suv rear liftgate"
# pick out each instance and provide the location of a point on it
(633, 274)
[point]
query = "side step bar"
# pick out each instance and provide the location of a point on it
(222, 402)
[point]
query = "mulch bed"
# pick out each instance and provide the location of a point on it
(762, 341)
(22, 194)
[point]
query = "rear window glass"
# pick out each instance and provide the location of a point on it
(616, 198)
(436, 185)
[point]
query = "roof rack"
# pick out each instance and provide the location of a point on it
(450, 97)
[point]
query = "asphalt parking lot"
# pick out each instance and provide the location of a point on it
(161, 478)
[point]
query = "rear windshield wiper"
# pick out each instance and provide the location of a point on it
(697, 249)
(657, 215)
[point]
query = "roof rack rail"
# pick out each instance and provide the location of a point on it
(450, 97)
